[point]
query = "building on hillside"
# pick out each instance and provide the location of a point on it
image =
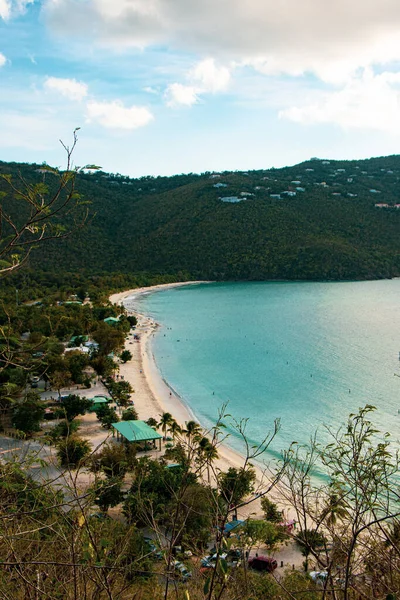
(231, 199)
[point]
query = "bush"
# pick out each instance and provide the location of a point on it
(107, 416)
(130, 414)
(72, 451)
(114, 459)
(310, 539)
(125, 356)
(63, 429)
(28, 415)
(108, 493)
(271, 510)
(74, 405)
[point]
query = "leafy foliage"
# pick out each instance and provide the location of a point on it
(28, 414)
(74, 405)
(179, 226)
(72, 451)
(106, 415)
(130, 414)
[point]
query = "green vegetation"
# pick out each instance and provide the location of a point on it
(72, 451)
(178, 228)
(27, 415)
(54, 542)
(73, 405)
(129, 414)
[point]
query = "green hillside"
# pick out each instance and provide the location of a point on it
(323, 225)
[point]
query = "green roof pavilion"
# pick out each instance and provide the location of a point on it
(111, 321)
(136, 431)
(98, 401)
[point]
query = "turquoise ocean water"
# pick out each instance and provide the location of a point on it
(308, 353)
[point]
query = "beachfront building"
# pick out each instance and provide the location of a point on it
(135, 432)
(98, 401)
(111, 321)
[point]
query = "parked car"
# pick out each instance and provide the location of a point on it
(181, 570)
(155, 551)
(208, 562)
(263, 563)
(319, 576)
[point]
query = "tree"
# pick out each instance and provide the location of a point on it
(76, 362)
(207, 453)
(255, 533)
(236, 484)
(198, 519)
(271, 510)
(132, 320)
(341, 522)
(60, 379)
(121, 391)
(130, 414)
(108, 493)
(114, 459)
(174, 429)
(165, 421)
(107, 416)
(103, 365)
(192, 429)
(38, 215)
(151, 422)
(125, 356)
(72, 451)
(64, 429)
(110, 339)
(28, 414)
(74, 405)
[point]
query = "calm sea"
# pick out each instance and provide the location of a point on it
(307, 353)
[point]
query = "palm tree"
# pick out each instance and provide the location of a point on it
(206, 453)
(210, 454)
(166, 419)
(192, 429)
(174, 428)
(335, 508)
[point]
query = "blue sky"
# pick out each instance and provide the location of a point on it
(172, 86)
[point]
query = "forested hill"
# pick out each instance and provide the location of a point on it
(315, 220)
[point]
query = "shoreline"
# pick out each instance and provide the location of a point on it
(153, 395)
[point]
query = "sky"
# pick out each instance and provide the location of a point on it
(160, 87)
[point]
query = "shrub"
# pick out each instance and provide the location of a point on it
(271, 510)
(27, 415)
(63, 429)
(107, 416)
(130, 414)
(72, 451)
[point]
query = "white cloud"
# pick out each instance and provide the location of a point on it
(368, 102)
(151, 90)
(70, 88)
(209, 77)
(177, 94)
(114, 115)
(205, 77)
(5, 9)
(10, 8)
(3, 60)
(331, 39)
